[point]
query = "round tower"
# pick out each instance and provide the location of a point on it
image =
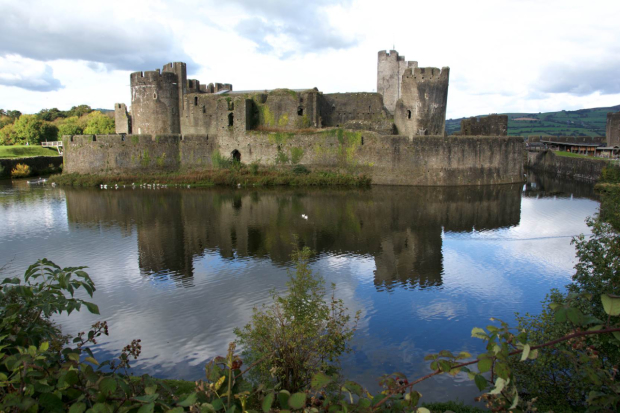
(155, 103)
(421, 110)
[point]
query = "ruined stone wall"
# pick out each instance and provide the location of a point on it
(180, 71)
(121, 118)
(393, 160)
(492, 125)
(155, 103)
(422, 107)
(581, 169)
(211, 114)
(363, 111)
(286, 109)
(390, 70)
(612, 131)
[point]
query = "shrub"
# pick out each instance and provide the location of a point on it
(299, 334)
(254, 168)
(20, 171)
(300, 170)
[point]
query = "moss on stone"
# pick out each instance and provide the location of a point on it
(296, 155)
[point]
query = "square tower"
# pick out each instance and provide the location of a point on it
(390, 70)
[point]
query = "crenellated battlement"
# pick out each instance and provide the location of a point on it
(151, 77)
(428, 74)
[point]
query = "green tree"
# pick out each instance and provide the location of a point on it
(8, 135)
(300, 334)
(80, 110)
(50, 115)
(30, 129)
(69, 126)
(99, 124)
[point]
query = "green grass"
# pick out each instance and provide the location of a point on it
(583, 122)
(22, 151)
(576, 155)
(244, 176)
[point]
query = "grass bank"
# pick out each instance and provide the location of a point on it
(576, 155)
(221, 177)
(23, 151)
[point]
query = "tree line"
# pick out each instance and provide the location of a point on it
(51, 124)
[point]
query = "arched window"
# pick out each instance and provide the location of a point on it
(231, 119)
(408, 114)
(236, 156)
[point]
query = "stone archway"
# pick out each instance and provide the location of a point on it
(236, 156)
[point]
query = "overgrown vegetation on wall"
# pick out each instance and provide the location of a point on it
(49, 124)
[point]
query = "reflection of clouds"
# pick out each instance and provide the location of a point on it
(439, 309)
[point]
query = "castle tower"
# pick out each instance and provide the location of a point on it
(155, 103)
(421, 110)
(122, 120)
(390, 70)
(180, 70)
(612, 131)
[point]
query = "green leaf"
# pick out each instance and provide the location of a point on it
(91, 307)
(268, 402)
(73, 356)
(297, 400)
(92, 360)
(481, 382)
(423, 410)
(77, 408)
(502, 369)
(484, 365)
(533, 354)
(176, 410)
(526, 352)
(190, 400)
(611, 304)
(354, 388)
(560, 315)
(477, 332)
(575, 316)
(616, 335)
(147, 399)
(500, 383)
(320, 380)
(217, 404)
(283, 396)
(147, 408)
(50, 402)
(44, 346)
(107, 385)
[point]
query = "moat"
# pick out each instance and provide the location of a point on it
(180, 269)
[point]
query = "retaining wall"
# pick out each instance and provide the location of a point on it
(588, 170)
(388, 159)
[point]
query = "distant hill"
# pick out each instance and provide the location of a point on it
(582, 122)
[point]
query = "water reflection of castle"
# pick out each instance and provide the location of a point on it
(400, 228)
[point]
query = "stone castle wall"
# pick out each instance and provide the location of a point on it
(492, 125)
(390, 160)
(155, 103)
(581, 169)
(612, 131)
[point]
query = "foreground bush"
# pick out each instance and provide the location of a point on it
(300, 334)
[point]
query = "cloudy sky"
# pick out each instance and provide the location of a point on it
(504, 55)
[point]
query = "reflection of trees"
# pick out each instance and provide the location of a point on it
(400, 227)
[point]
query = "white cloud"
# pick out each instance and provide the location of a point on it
(27, 74)
(505, 56)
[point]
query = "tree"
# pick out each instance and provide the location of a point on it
(30, 129)
(8, 135)
(99, 124)
(79, 110)
(50, 115)
(69, 126)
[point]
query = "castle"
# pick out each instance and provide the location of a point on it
(396, 135)
(409, 101)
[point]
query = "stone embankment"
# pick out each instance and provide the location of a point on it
(582, 169)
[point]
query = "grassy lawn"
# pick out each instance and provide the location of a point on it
(576, 155)
(22, 151)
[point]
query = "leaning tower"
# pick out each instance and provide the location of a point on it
(390, 69)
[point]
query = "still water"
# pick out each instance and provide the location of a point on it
(180, 269)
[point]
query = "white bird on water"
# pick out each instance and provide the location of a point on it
(304, 216)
